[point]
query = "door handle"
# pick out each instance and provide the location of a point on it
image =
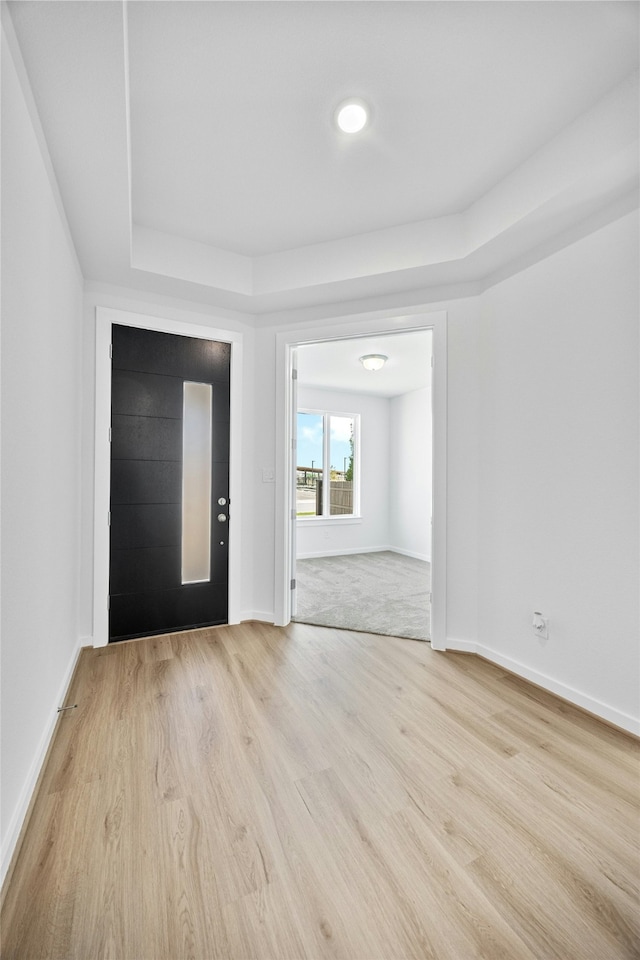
(222, 517)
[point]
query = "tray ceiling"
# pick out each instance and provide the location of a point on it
(195, 152)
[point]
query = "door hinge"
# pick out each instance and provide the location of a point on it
(294, 374)
(430, 598)
(109, 434)
(293, 585)
(109, 518)
(293, 513)
(110, 351)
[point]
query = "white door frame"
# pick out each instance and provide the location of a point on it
(379, 323)
(105, 317)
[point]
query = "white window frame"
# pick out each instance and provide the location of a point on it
(326, 517)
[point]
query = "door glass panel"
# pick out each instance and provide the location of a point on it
(196, 482)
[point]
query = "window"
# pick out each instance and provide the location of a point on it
(196, 482)
(327, 482)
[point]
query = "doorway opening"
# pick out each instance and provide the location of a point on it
(362, 484)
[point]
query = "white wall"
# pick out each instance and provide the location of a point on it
(410, 473)
(322, 537)
(558, 491)
(41, 403)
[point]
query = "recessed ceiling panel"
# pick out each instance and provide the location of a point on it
(234, 145)
(232, 106)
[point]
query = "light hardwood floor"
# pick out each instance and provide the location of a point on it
(255, 792)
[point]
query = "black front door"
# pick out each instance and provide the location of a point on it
(169, 483)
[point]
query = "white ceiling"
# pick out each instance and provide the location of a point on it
(335, 364)
(195, 153)
(232, 107)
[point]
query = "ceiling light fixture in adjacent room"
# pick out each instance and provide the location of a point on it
(373, 361)
(352, 115)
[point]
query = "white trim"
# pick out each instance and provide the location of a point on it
(349, 551)
(599, 709)
(461, 646)
(101, 483)
(328, 521)
(262, 616)
(378, 322)
(293, 476)
(354, 550)
(105, 317)
(410, 553)
(439, 487)
(285, 527)
(17, 821)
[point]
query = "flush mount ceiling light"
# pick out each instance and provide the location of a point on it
(352, 115)
(373, 361)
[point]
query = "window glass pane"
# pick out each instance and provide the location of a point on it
(341, 458)
(310, 464)
(196, 483)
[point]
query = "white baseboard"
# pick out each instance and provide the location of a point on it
(348, 551)
(263, 616)
(410, 553)
(577, 697)
(17, 820)
(345, 552)
(461, 646)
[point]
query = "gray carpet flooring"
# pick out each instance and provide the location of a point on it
(382, 592)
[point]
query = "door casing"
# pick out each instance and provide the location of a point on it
(105, 317)
(382, 322)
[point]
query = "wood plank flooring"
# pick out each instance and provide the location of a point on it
(279, 794)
